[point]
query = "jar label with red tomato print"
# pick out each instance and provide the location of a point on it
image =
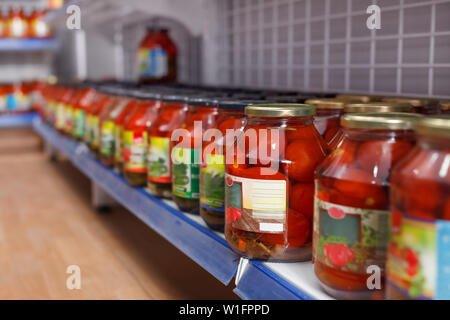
(212, 188)
(350, 239)
(418, 263)
(185, 171)
(107, 139)
(256, 205)
(158, 160)
(134, 151)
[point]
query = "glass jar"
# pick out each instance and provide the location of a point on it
(16, 24)
(417, 264)
(327, 118)
(420, 105)
(157, 57)
(107, 127)
(135, 137)
(445, 107)
(269, 190)
(68, 110)
(38, 27)
(92, 120)
(172, 116)
(61, 109)
(374, 107)
(212, 171)
(351, 212)
(80, 107)
(119, 122)
(186, 149)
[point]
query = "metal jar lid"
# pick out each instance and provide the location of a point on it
(376, 107)
(327, 103)
(280, 110)
(359, 98)
(438, 125)
(228, 104)
(415, 102)
(380, 121)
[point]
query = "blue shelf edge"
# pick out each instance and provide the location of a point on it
(16, 120)
(202, 245)
(28, 44)
(260, 283)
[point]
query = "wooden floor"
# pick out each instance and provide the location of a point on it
(47, 224)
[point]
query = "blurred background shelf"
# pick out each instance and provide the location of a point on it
(16, 120)
(8, 45)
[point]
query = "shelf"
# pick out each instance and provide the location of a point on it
(28, 44)
(254, 280)
(16, 120)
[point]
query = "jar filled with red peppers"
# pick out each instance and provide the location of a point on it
(424, 106)
(186, 149)
(418, 262)
(269, 184)
(351, 211)
(373, 107)
(172, 116)
(135, 137)
(327, 118)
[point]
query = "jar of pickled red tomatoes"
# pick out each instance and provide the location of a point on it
(327, 118)
(69, 110)
(62, 109)
(418, 262)
(212, 171)
(81, 104)
(445, 107)
(92, 112)
(269, 190)
(351, 211)
(135, 137)
(373, 107)
(107, 126)
(119, 122)
(105, 101)
(420, 105)
(186, 147)
(172, 116)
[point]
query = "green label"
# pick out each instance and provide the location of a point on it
(158, 160)
(212, 183)
(107, 139)
(185, 181)
(78, 123)
(350, 239)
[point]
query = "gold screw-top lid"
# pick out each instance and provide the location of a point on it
(415, 102)
(438, 125)
(359, 98)
(380, 121)
(326, 103)
(376, 107)
(445, 106)
(280, 110)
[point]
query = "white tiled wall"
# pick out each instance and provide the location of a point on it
(324, 45)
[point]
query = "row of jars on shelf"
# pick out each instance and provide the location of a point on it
(294, 182)
(17, 23)
(20, 97)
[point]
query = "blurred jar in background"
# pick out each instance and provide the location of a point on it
(157, 57)
(445, 107)
(16, 24)
(420, 105)
(37, 26)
